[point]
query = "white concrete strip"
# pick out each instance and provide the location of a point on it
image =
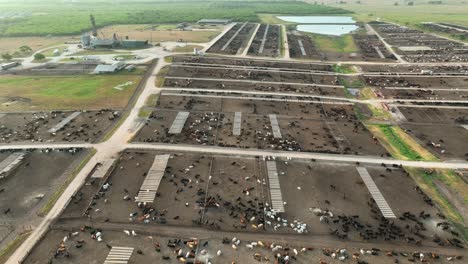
(277, 203)
(233, 36)
(119, 255)
(67, 120)
(10, 163)
(262, 45)
(301, 46)
(275, 126)
(285, 43)
(465, 126)
(179, 123)
(246, 50)
(258, 93)
(40, 145)
(103, 169)
(297, 155)
(379, 52)
(236, 127)
(213, 41)
(375, 192)
(150, 185)
(397, 114)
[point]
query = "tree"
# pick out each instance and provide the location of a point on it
(395, 4)
(25, 49)
(39, 56)
(7, 56)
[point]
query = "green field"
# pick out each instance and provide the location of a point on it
(453, 11)
(340, 44)
(66, 18)
(65, 92)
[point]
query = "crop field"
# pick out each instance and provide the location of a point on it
(66, 19)
(65, 92)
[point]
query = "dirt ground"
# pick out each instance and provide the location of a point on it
(313, 66)
(339, 189)
(145, 32)
(333, 133)
(10, 45)
(417, 81)
(435, 49)
(262, 87)
(449, 94)
(252, 106)
(435, 115)
(89, 126)
(271, 44)
(452, 69)
(238, 44)
(444, 141)
(203, 250)
(247, 74)
(32, 180)
(230, 194)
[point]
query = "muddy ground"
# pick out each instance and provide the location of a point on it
(417, 81)
(435, 115)
(30, 185)
(261, 87)
(444, 141)
(238, 44)
(313, 127)
(309, 50)
(231, 194)
(316, 66)
(269, 35)
(424, 93)
(89, 126)
(434, 48)
(247, 74)
(452, 69)
(150, 247)
(314, 110)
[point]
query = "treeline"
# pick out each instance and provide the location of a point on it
(70, 19)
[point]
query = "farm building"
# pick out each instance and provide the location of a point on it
(105, 68)
(206, 21)
(9, 65)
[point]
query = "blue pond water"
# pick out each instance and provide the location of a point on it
(326, 29)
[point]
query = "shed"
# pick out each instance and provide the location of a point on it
(213, 21)
(105, 68)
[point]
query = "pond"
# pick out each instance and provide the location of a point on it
(319, 19)
(334, 30)
(326, 25)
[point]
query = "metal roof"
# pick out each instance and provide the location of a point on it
(208, 20)
(108, 68)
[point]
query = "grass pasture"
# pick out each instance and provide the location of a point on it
(65, 92)
(340, 44)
